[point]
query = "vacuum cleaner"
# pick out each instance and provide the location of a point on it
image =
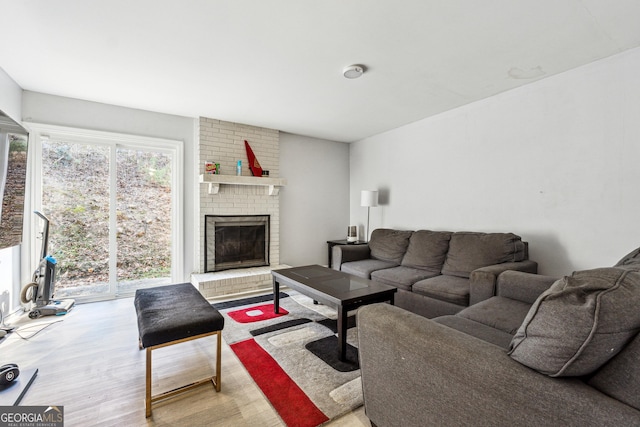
(40, 292)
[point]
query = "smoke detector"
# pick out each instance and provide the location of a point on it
(353, 71)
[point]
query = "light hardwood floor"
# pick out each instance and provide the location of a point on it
(89, 362)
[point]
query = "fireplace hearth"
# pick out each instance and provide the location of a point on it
(236, 241)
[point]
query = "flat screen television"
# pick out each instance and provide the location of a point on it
(13, 177)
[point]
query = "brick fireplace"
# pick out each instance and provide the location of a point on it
(223, 142)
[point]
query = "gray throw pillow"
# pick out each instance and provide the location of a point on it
(620, 377)
(427, 250)
(389, 245)
(630, 261)
(469, 251)
(580, 322)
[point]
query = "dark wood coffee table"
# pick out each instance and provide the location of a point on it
(336, 289)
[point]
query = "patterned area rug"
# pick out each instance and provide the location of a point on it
(292, 357)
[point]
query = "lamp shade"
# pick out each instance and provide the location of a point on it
(369, 198)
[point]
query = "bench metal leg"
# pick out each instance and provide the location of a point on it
(215, 380)
(148, 391)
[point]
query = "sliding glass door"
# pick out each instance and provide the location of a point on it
(143, 218)
(75, 198)
(112, 206)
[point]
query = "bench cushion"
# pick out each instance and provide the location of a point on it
(174, 312)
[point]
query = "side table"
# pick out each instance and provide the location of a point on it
(332, 243)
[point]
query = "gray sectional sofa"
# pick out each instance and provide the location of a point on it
(436, 272)
(541, 352)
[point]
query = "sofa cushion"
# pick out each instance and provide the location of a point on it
(427, 250)
(389, 245)
(469, 251)
(619, 377)
(476, 329)
(401, 277)
(521, 286)
(365, 267)
(580, 322)
(445, 288)
(501, 313)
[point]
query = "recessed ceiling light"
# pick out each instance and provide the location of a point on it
(353, 71)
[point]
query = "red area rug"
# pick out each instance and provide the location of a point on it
(286, 357)
(293, 405)
(256, 314)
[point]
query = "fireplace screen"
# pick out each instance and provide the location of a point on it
(235, 241)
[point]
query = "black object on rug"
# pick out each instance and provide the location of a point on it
(245, 301)
(279, 326)
(325, 349)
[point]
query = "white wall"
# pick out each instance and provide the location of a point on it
(314, 205)
(10, 104)
(555, 161)
(56, 110)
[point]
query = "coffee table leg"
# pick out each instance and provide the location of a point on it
(276, 296)
(342, 334)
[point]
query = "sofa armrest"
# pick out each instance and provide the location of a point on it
(347, 253)
(416, 372)
(521, 286)
(482, 281)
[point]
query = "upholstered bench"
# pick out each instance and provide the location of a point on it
(174, 314)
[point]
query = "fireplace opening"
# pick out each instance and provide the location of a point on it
(238, 241)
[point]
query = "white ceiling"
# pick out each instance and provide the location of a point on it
(278, 63)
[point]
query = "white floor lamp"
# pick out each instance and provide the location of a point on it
(368, 199)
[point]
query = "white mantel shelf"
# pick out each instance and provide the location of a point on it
(215, 181)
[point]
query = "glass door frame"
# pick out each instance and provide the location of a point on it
(174, 148)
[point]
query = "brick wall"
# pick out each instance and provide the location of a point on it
(223, 142)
